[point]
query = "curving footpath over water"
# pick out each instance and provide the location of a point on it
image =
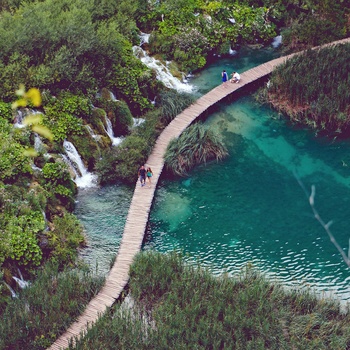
(143, 196)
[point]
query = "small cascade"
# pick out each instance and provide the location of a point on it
(109, 131)
(83, 177)
(20, 281)
(112, 96)
(277, 41)
(144, 38)
(92, 134)
(13, 293)
(36, 168)
(138, 121)
(38, 144)
(21, 114)
(232, 52)
(163, 73)
(18, 121)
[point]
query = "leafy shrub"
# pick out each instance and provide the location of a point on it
(105, 167)
(129, 156)
(58, 182)
(62, 124)
(66, 102)
(64, 239)
(6, 111)
(24, 244)
(13, 161)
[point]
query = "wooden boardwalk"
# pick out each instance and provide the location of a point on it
(143, 196)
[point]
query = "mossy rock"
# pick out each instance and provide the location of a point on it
(98, 119)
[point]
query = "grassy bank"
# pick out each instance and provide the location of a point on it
(185, 307)
(319, 99)
(35, 318)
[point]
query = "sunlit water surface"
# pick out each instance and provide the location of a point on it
(248, 209)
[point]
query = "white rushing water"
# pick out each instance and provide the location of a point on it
(83, 178)
(109, 131)
(277, 41)
(162, 71)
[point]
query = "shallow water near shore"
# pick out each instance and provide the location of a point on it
(102, 212)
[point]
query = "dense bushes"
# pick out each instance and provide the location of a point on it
(319, 99)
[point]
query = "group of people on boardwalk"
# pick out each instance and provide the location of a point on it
(145, 173)
(235, 77)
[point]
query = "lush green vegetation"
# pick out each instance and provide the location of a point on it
(196, 145)
(319, 99)
(40, 313)
(190, 32)
(79, 54)
(185, 307)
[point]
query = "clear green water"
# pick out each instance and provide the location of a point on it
(251, 209)
(102, 211)
(248, 208)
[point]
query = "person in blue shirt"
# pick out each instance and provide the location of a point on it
(224, 76)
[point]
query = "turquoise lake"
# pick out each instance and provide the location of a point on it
(249, 208)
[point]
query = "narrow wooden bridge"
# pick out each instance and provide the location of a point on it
(140, 206)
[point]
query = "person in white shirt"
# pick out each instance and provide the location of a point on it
(235, 77)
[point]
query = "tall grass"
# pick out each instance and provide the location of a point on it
(313, 89)
(173, 103)
(196, 145)
(45, 309)
(185, 307)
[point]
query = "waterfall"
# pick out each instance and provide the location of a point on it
(21, 114)
(277, 41)
(115, 140)
(112, 96)
(138, 121)
(144, 38)
(38, 144)
(83, 177)
(18, 119)
(13, 293)
(20, 281)
(92, 134)
(162, 72)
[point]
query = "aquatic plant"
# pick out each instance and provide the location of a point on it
(319, 98)
(173, 103)
(196, 145)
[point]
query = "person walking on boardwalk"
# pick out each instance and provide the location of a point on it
(224, 76)
(149, 174)
(142, 175)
